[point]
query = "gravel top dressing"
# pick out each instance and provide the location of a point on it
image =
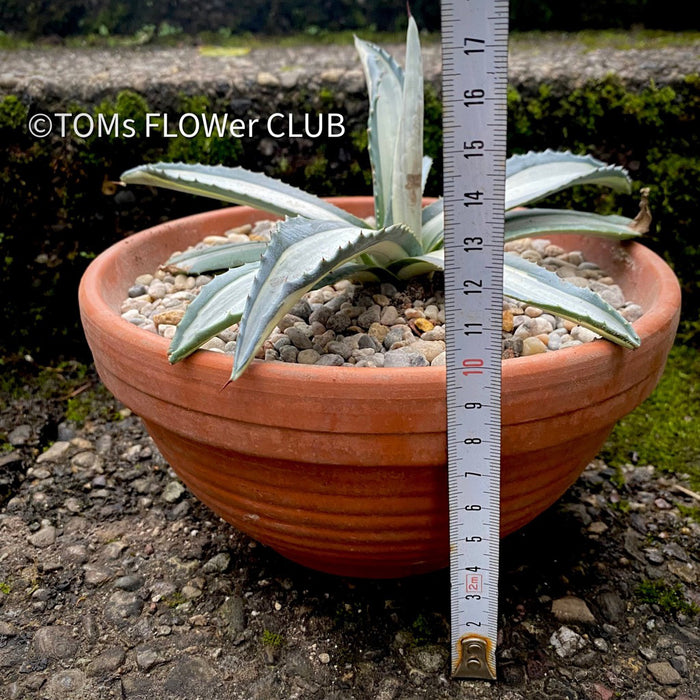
(377, 325)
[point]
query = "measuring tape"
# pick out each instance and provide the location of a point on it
(474, 79)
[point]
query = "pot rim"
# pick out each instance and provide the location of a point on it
(93, 304)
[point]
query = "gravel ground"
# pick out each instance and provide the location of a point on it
(116, 583)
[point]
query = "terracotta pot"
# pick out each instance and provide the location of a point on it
(344, 469)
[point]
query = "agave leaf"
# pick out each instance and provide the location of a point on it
(419, 264)
(534, 285)
(427, 164)
(536, 222)
(355, 272)
(218, 257)
(219, 304)
(433, 226)
(532, 176)
(407, 190)
(300, 254)
(239, 186)
(384, 79)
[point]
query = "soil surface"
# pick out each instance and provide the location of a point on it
(116, 583)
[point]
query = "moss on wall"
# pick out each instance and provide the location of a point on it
(61, 204)
(653, 132)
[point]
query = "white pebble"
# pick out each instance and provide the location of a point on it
(431, 312)
(413, 313)
(439, 360)
(214, 344)
(533, 346)
(217, 240)
(631, 312)
(167, 331)
(237, 238)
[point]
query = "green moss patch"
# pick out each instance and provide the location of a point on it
(665, 430)
(669, 598)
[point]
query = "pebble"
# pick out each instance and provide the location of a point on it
(173, 492)
(429, 349)
(65, 684)
(20, 435)
(308, 357)
(121, 606)
(389, 316)
(113, 550)
(191, 591)
(631, 312)
(232, 614)
(288, 353)
(401, 358)
(610, 293)
(217, 564)
(44, 537)
(680, 663)
(533, 346)
(146, 659)
(584, 335)
(572, 609)
(96, 574)
(424, 325)
(331, 360)
(55, 642)
(55, 453)
(298, 338)
(429, 659)
(566, 642)
(131, 582)
(107, 662)
(664, 673)
(439, 360)
(508, 323)
(531, 327)
(686, 571)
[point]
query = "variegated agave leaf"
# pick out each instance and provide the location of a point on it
(427, 164)
(384, 78)
(525, 223)
(407, 186)
(532, 284)
(299, 255)
(239, 186)
(218, 257)
(433, 226)
(219, 304)
(419, 265)
(533, 176)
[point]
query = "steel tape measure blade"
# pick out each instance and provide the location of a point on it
(475, 76)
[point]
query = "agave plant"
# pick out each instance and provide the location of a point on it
(318, 243)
